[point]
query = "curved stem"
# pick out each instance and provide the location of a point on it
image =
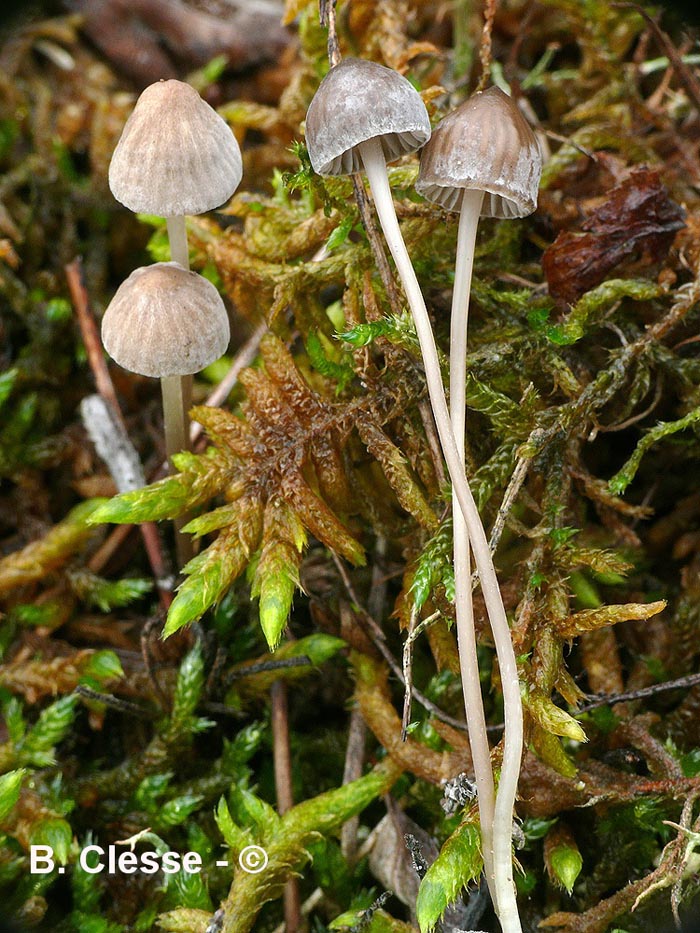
(466, 637)
(375, 167)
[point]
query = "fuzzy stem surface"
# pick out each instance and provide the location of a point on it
(375, 168)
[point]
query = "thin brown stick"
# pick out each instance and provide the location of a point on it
(264, 667)
(116, 703)
(511, 494)
(375, 243)
(357, 731)
(243, 358)
(280, 739)
(105, 387)
(327, 17)
(91, 337)
(690, 680)
(407, 668)
(485, 49)
(373, 630)
(114, 541)
(426, 417)
(283, 789)
(354, 763)
(416, 629)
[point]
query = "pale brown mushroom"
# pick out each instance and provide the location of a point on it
(167, 322)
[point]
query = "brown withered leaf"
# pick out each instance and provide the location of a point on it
(389, 859)
(639, 218)
(154, 39)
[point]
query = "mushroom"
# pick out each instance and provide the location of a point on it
(176, 156)
(482, 159)
(167, 322)
(361, 115)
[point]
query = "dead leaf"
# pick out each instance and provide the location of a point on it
(639, 218)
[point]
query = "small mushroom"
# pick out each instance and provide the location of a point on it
(167, 322)
(482, 159)
(176, 156)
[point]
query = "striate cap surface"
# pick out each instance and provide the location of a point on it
(484, 144)
(175, 156)
(360, 100)
(165, 321)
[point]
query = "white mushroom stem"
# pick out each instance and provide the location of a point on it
(464, 610)
(177, 235)
(496, 818)
(179, 252)
(375, 167)
(176, 429)
(177, 393)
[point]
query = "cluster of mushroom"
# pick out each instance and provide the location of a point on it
(482, 159)
(176, 156)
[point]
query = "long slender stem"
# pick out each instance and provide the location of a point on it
(177, 423)
(375, 167)
(176, 438)
(466, 636)
(179, 252)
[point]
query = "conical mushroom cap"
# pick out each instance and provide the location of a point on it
(165, 321)
(484, 144)
(175, 156)
(359, 100)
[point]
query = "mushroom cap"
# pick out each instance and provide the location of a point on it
(484, 144)
(175, 156)
(165, 321)
(359, 100)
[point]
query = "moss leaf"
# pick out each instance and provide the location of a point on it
(621, 480)
(458, 863)
(10, 787)
(554, 719)
(211, 573)
(277, 572)
(587, 620)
